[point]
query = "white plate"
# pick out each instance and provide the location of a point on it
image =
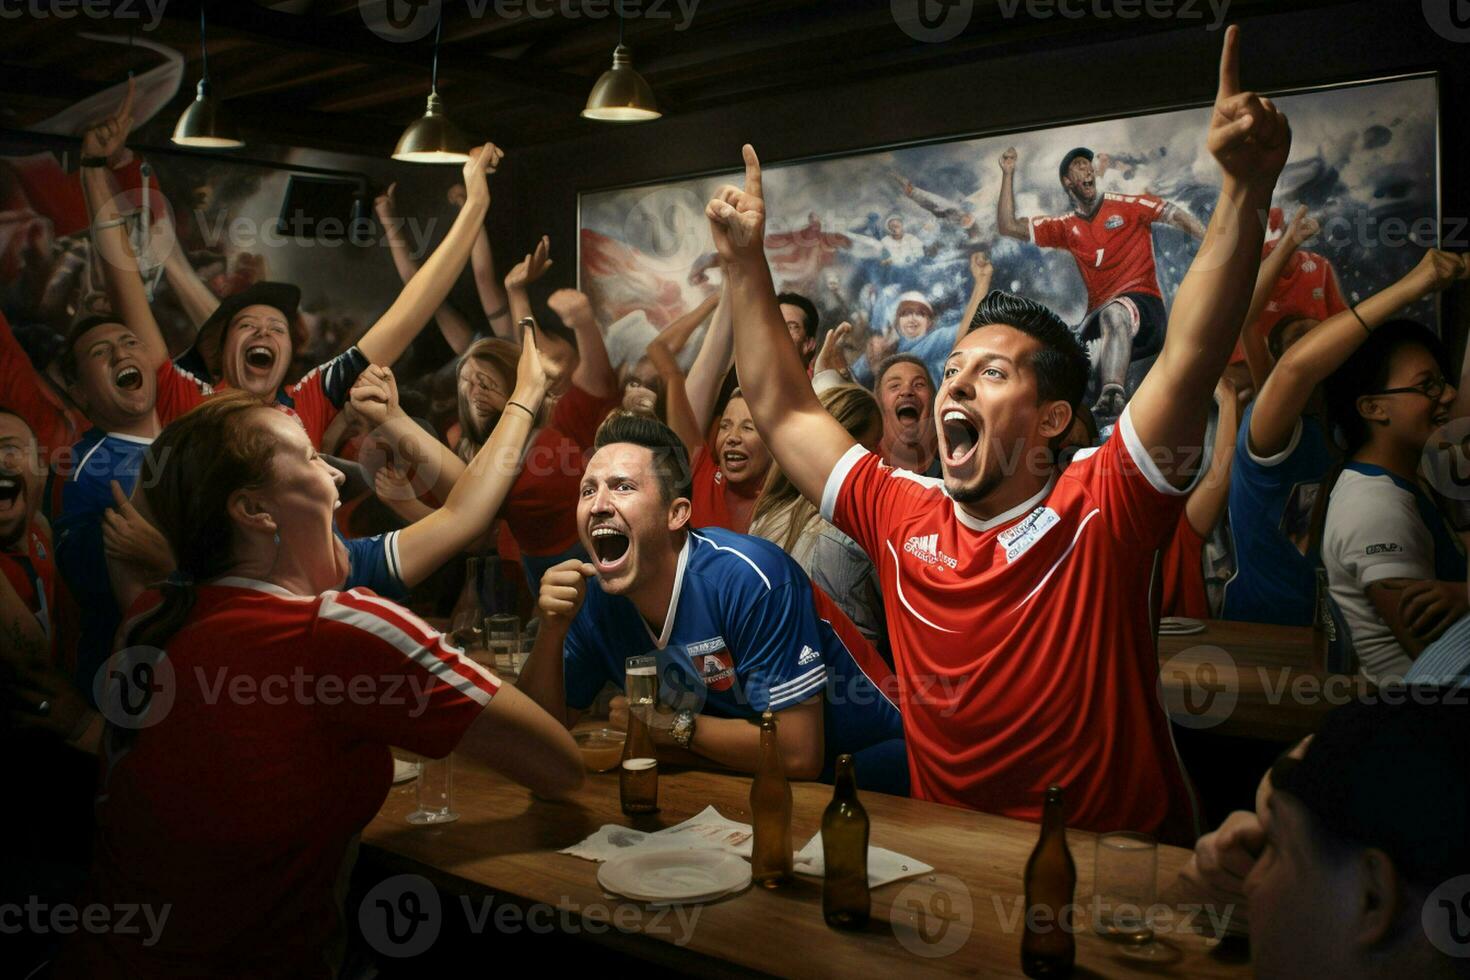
(674, 875)
(1180, 626)
(404, 771)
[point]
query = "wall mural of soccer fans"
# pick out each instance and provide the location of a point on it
(1099, 220)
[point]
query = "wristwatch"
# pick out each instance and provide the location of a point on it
(682, 730)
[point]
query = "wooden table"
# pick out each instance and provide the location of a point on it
(1251, 680)
(955, 921)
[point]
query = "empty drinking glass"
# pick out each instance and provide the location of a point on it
(434, 792)
(1125, 888)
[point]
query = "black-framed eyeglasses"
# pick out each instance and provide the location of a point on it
(1432, 389)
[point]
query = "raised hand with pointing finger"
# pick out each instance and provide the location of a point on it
(737, 215)
(1249, 136)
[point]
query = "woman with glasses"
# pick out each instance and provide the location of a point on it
(1283, 453)
(1393, 567)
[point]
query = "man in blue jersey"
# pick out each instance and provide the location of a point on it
(736, 625)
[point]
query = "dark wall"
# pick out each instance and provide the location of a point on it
(1015, 87)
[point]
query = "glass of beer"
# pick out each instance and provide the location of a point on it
(638, 776)
(1124, 887)
(503, 639)
(434, 793)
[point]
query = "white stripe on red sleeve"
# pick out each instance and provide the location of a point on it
(414, 639)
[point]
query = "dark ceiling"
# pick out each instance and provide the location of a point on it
(312, 73)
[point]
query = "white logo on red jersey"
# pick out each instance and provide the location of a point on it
(1019, 539)
(1308, 265)
(925, 547)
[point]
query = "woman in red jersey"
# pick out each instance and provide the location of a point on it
(241, 763)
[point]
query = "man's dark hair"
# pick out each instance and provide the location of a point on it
(887, 364)
(550, 324)
(68, 356)
(1277, 334)
(1061, 365)
(670, 460)
(808, 310)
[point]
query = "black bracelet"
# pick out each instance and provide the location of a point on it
(522, 408)
(1366, 329)
(94, 161)
(503, 311)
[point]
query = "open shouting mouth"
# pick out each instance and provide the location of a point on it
(961, 436)
(609, 548)
(12, 494)
(260, 357)
(130, 378)
(908, 410)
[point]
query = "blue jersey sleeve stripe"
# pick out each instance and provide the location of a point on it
(798, 695)
(390, 549)
(818, 671)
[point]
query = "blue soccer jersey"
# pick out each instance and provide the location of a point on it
(101, 457)
(373, 564)
(1270, 513)
(746, 633)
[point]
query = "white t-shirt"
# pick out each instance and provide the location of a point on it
(1373, 532)
(903, 251)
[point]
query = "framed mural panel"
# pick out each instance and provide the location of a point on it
(861, 232)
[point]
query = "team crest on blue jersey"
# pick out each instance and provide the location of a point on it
(1116, 221)
(717, 670)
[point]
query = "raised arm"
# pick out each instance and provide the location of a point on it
(455, 328)
(520, 277)
(681, 416)
(1006, 221)
(1207, 502)
(479, 493)
(806, 441)
(386, 340)
(194, 296)
(1250, 139)
(487, 284)
(714, 360)
(677, 334)
(981, 273)
(594, 374)
(110, 234)
(1323, 350)
(1177, 217)
(1257, 355)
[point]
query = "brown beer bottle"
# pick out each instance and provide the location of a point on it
(638, 773)
(770, 811)
(1048, 946)
(845, 898)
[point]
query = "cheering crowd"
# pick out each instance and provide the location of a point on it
(950, 572)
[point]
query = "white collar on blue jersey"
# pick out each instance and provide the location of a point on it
(662, 640)
(1020, 510)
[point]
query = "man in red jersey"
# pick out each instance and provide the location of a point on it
(1109, 236)
(1017, 594)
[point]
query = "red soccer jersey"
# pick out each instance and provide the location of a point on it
(1182, 573)
(23, 392)
(1114, 248)
(33, 576)
(1307, 288)
(234, 808)
(541, 510)
(709, 503)
(1023, 644)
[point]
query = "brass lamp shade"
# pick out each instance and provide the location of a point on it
(621, 94)
(433, 138)
(207, 124)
